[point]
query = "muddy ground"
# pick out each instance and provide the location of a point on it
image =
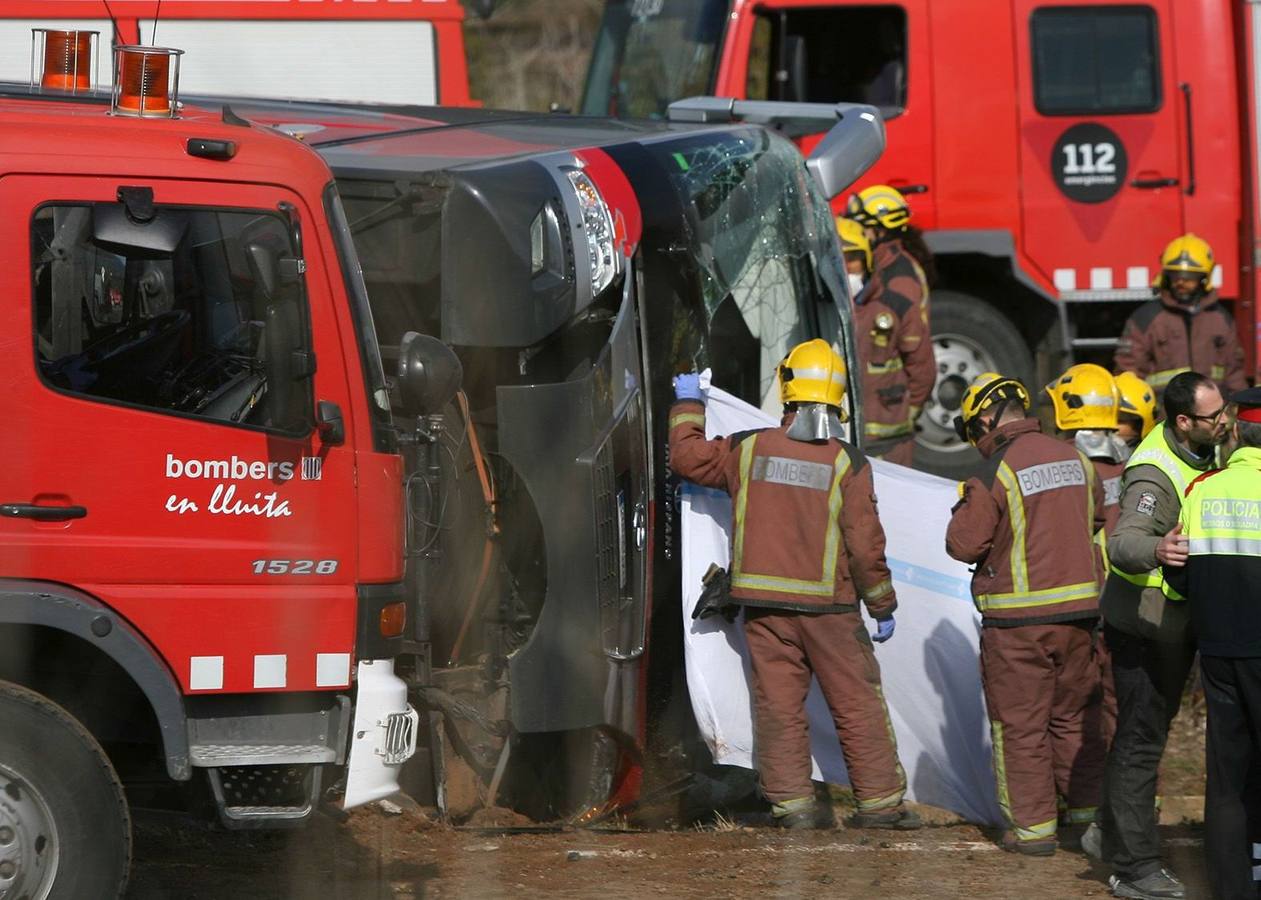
(407, 854)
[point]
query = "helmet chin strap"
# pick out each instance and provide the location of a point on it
(815, 422)
(978, 429)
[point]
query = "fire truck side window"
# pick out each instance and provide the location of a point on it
(1095, 60)
(855, 54)
(195, 312)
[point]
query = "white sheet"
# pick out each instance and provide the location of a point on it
(930, 666)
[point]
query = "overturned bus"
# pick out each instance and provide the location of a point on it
(574, 266)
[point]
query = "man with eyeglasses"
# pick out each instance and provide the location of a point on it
(1148, 630)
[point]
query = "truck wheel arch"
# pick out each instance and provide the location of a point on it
(70, 611)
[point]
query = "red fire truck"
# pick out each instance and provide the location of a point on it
(202, 528)
(1049, 149)
(386, 51)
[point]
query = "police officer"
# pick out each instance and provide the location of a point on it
(1148, 636)
(894, 348)
(1137, 415)
(1026, 523)
(891, 323)
(1185, 328)
(1221, 520)
(807, 546)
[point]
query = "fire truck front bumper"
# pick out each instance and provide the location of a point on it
(384, 734)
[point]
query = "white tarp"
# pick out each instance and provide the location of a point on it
(930, 666)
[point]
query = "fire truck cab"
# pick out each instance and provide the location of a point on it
(200, 501)
(1049, 148)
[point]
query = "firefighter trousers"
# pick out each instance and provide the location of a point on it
(785, 649)
(1041, 691)
(1232, 800)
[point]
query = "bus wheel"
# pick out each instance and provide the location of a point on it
(969, 337)
(64, 826)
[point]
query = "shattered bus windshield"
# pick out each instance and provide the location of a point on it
(649, 53)
(769, 272)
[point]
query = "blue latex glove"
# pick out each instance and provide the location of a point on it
(884, 630)
(688, 387)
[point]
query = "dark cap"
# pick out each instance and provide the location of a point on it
(1249, 401)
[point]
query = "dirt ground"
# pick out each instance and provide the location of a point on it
(379, 854)
(406, 857)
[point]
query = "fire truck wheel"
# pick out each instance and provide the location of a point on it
(64, 824)
(969, 337)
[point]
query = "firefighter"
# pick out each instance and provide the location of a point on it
(1221, 520)
(890, 323)
(1086, 400)
(1026, 523)
(806, 546)
(1137, 415)
(1149, 636)
(1185, 328)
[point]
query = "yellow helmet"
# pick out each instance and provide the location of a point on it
(986, 390)
(879, 205)
(812, 373)
(1085, 396)
(1187, 253)
(853, 238)
(1137, 400)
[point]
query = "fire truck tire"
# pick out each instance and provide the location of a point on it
(970, 336)
(64, 823)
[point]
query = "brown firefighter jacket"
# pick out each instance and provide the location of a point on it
(1027, 522)
(894, 346)
(805, 532)
(1162, 339)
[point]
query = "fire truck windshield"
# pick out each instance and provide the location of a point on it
(649, 53)
(384, 436)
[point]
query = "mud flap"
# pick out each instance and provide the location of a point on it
(384, 734)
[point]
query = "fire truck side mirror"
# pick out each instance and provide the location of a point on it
(849, 149)
(429, 374)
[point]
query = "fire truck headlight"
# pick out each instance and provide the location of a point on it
(597, 222)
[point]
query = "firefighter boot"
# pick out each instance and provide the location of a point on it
(805, 813)
(1035, 847)
(899, 818)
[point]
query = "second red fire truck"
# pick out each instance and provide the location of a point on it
(1049, 149)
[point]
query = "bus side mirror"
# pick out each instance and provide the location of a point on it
(429, 374)
(849, 149)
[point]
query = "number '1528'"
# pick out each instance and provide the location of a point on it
(294, 566)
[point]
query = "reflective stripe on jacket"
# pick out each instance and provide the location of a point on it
(1221, 517)
(1027, 523)
(805, 534)
(1161, 339)
(893, 341)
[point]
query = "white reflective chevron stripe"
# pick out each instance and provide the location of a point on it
(1225, 546)
(819, 375)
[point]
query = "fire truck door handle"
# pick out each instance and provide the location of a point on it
(1153, 182)
(42, 513)
(911, 188)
